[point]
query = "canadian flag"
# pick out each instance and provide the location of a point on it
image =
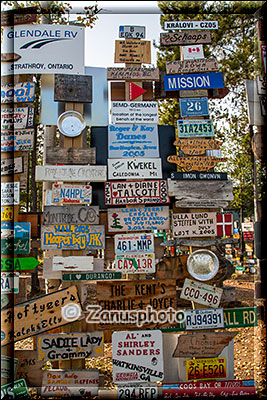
(224, 223)
(193, 50)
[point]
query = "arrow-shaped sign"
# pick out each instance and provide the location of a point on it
(18, 264)
(135, 91)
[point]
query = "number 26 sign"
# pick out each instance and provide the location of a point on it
(192, 107)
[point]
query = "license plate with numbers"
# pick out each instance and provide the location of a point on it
(195, 128)
(206, 368)
(204, 319)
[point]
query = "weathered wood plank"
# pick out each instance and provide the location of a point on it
(132, 73)
(69, 173)
(195, 191)
(74, 214)
(188, 66)
(196, 163)
(184, 38)
(197, 146)
(132, 51)
(70, 155)
(74, 88)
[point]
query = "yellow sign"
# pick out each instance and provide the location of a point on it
(7, 213)
(206, 368)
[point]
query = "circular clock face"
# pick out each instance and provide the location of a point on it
(202, 264)
(71, 123)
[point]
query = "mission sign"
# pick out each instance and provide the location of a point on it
(194, 81)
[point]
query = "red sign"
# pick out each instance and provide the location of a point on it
(224, 224)
(135, 91)
(248, 236)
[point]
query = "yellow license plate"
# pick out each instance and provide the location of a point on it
(206, 368)
(7, 213)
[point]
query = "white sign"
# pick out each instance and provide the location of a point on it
(193, 52)
(71, 194)
(18, 93)
(201, 293)
(135, 263)
(137, 356)
(10, 193)
(44, 49)
(17, 118)
(143, 112)
(134, 168)
(194, 224)
(191, 25)
(132, 32)
(204, 319)
(133, 140)
(134, 243)
(73, 263)
(261, 84)
(138, 391)
(9, 282)
(71, 173)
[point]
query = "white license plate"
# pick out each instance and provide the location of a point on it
(204, 319)
(201, 293)
(148, 391)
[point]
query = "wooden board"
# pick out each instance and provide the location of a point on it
(137, 168)
(201, 176)
(194, 224)
(70, 155)
(118, 91)
(38, 315)
(132, 51)
(73, 88)
(18, 93)
(198, 191)
(197, 146)
(19, 16)
(183, 38)
(10, 166)
(73, 263)
(191, 93)
(69, 173)
(196, 163)
(133, 73)
(17, 118)
(74, 214)
(172, 268)
(18, 140)
(71, 194)
(29, 367)
(202, 203)
(191, 66)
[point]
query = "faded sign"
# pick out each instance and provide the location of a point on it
(133, 73)
(194, 224)
(71, 173)
(71, 215)
(19, 140)
(17, 118)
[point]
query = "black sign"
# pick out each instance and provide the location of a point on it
(73, 88)
(200, 176)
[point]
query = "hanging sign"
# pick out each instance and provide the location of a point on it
(145, 112)
(195, 128)
(7, 213)
(206, 80)
(192, 52)
(18, 264)
(18, 16)
(136, 168)
(136, 192)
(196, 163)
(133, 73)
(132, 51)
(91, 276)
(191, 66)
(182, 38)
(17, 140)
(71, 173)
(71, 215)
(10, 193)
(10, 166)
(201, 293)
(197, 146)
(134, 243)
(9, 282)
(71, 194)
(15, 237)
(72, 237)
(18, 93)
(132, 32)
(206, 368)
(135, 263)
(133, 140)
(194, 224)
(17, 118)
(138, 219)
(194, 107)
(191, 25)
(137, 356)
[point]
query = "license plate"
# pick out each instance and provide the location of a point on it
(193, 107)
(206, 368)
(135, 263)
(136, 243)
(145, 391)
(201, 293)
(189, 128)
(204, 319)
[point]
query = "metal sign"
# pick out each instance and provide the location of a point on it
(139, 391)
(137, 168)
(7, 213)
(73, 263)
(18, 93)
(71, 173)
(132, 51)
(132, 32)
(73, 88)
(19, 264)
(199, 176)
(195, 128)
(135, 263)
(19, 140)
(71, 215)
(134, 243)
(206, 368)
(204, 319)
(191, 66)
(196, 163)
(9, 282)
(132, 73)
(192, 52)
(133, 140)
(182, 38)
(17, 390)
(145, 112)
(17, 118)
(240, 317)
(201, 293)
(91, 276)
(10, 166)
(194, 107)
(194, 224)
(208, 80)
(71, 194)
(15, 237)
(191, 25)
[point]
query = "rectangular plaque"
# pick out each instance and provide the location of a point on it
(191, 25)
(71, 173)
(17, 140)
(132, 51)
(17, 118)
(145, 112)
(137, 168)
(191, 66)
(132, 73)
(194, 224)
(182, 38)
(70, 155)
(73, 88)
(18, 93)
(10, 166)
(206, 80)
(74, 214)
(194, 107)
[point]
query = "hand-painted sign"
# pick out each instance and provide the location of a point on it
(18, 264)
(7, 213)
(132, 32)
(224, 224)
(137, 168)
(194, 224)
(10, 166)
(133, 140)
(70, 155)
(74, 194)
(70, 346)
(71, 215)
(190, 66)
(196, 163)
(72, 237)
(136, 192)
(192, 52)
(73, 88)
(9, 282)
(144, 112)
(19, 140)
(132, 51)
(15, 237)
(204, 319)
(27, 362)
(18, 93)
(191, 25)
(189, 128)
(53, 310)
(206, 80)
(91, 276)
(17, 118)
(196, 146)
(134, 243)
(72, 383)
(137, 356)
(138, 219)
(16, 390)
(200, 176)
(63, 45)
(71, 173)
(135, 263)
(133, 73)
(206, 368)
(261, 84)
(182, 38)
(73, 263)
(201, 293)
(194, 107)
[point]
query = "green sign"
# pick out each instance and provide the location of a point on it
(92, 276)
(15, 390)
(18, 264)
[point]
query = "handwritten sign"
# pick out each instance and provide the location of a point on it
(10, 193)
(18, 93)
(27, 362)
(19, 16)
(182, 38)
(194, 107)
(196, 163)
(15, 237)
(7, 213)
(136, 192)
(195, 128)
(134, 168)
(206, 80)
(191, 25)
(71, 194)
(17, 140)
(192, 52)
(190, 66)
(145, 112)
(197, 146)
(73, 263)
(70, 346)
(137, 356)
(135, 263)
(201, 293)
(134, 243)
(138, 219)
(71, 173)
(194, 224)
(132, 51)
(133, 73)
(71, 237)
(17, 118)
(206, 368)
(23, 320)
(133, 140)
(71, 215)
(10, 166)
(9, 282)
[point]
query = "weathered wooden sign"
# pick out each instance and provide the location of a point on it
(136, 192)
(72, 237)
(194, 107)
(138, 219)
(18, 264)
(145, 112)
(10, 193)
(192, 52)
(132, 32)
(17, 140)
(133, 140)
(73, 263)
(19, 16)
(9, 282)
(18, 93)
(197, 146)
(206, 80)
(27, 362)
(15, 237)
(194, 224)
(196, 163)
(134, 243)
(190, 66)
(73, 88)
(204, 319)
(17, 118)
(132, 51)
(199, 176)
(206, 368)
(71, 173)
(137, 168)
(137, 356)
(190, 92)
(91, 276)
(71, 215)
(195, 128)
(197, 344)
(70, 382)
(183, 38)
(70, 346)
(10, 166)
(132, 73)
(181, 25)
(135, 263)
(70, 155)
(201, 293)
(71, 194)
(7, 213)
(53, 310)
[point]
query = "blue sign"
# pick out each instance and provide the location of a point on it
(194, 107)
(210, 80)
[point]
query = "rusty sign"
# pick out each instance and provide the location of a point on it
(73, 88)
(132, 51)
(196, 163)
(197, 146)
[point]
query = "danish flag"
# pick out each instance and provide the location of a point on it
(224, 224)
